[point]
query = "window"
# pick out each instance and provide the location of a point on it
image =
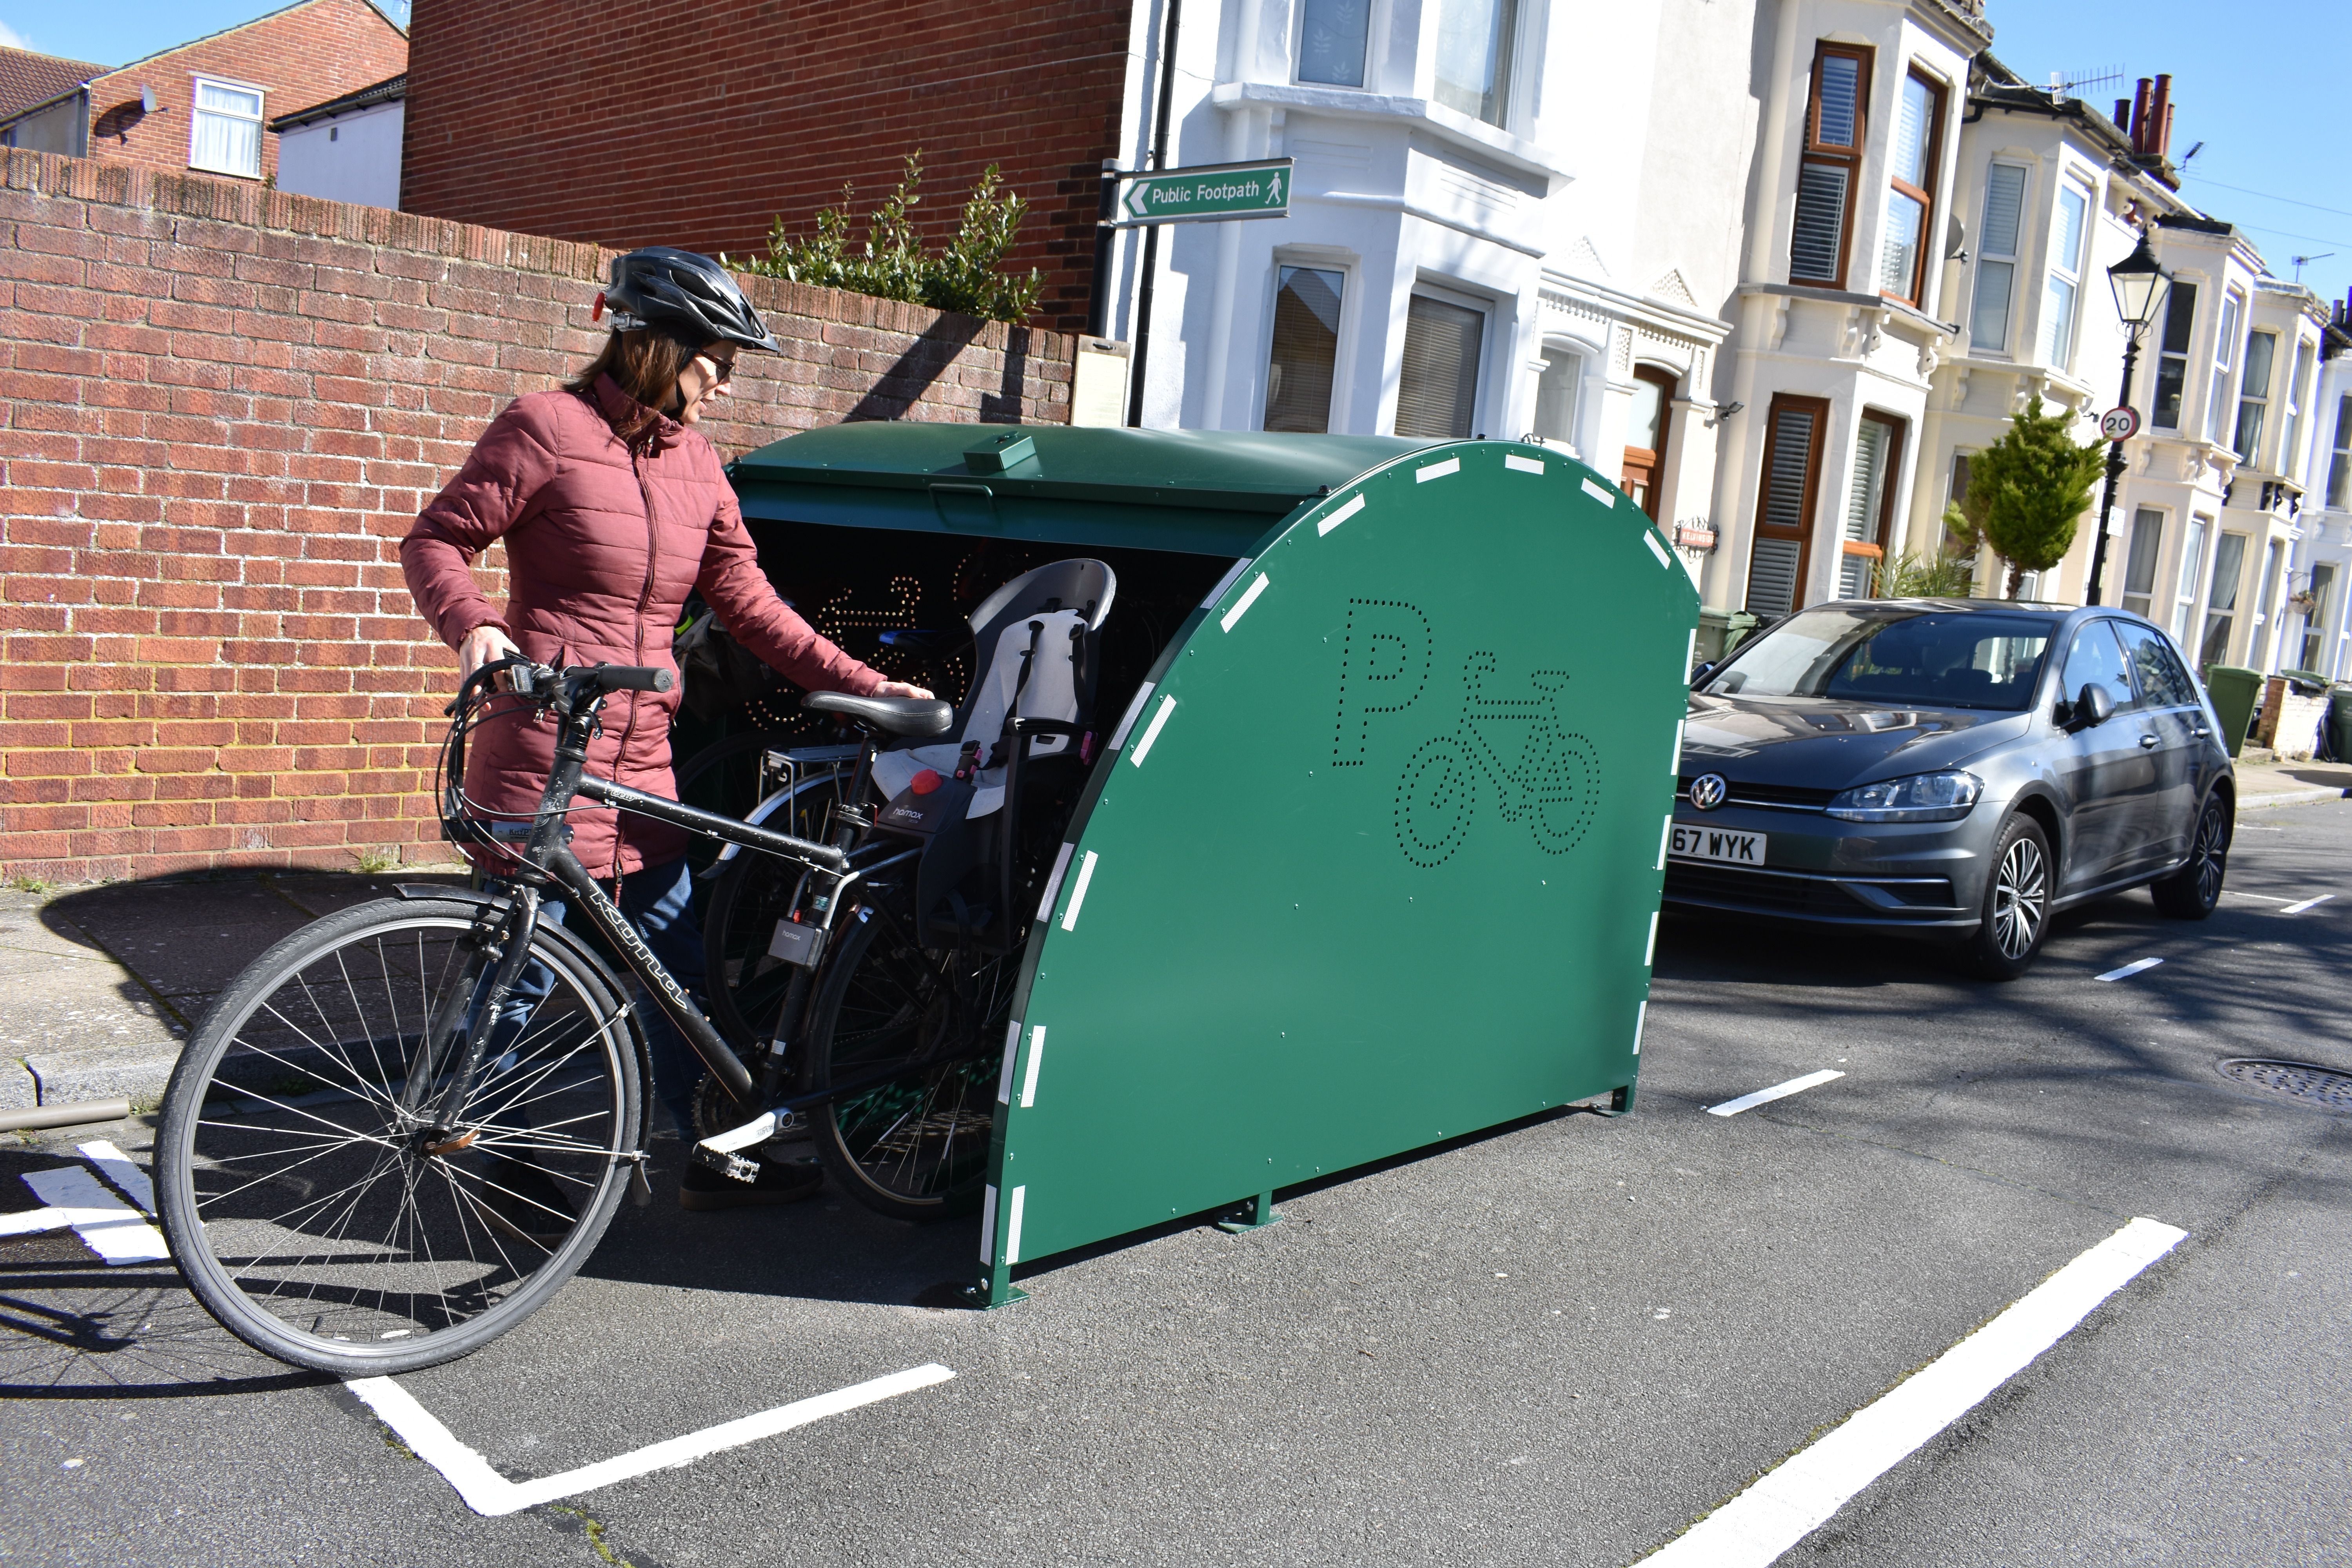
(226, 137)
(2172, 356)
(2192, 564)
(1894, 654)
(2255, 393)
(2298, 393)
(2096, 660)
(2266, 606)
(1556, 396)
(2340, 463)
(1306, 348)
(1645, 435)
(2225, 356)
(1784, 512)
(1825, 177)
(1331, 35)
(1437, 385)
(1958, 492)
(1869, 503)
(2221, 611)
(2139, 569)
(2162, 682)
(1910, 202)
(1474, 56)
(2004, 205)
(2066, 240)
(2314, 623)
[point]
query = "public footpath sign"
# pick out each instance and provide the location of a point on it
(1209, 192)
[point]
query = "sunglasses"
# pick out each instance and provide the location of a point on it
(723, 368)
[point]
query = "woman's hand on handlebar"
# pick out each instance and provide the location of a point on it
(900, 689)
(479, 646)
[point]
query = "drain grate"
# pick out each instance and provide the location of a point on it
(2306, 1082)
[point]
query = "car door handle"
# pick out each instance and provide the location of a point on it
(2148, 742)
(2200, 731)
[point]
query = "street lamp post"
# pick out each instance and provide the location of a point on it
(2137, 281)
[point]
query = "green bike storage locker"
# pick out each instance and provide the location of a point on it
(1372, 856)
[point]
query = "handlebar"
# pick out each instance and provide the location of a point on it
(629, 678)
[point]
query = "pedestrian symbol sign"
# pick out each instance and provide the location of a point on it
(1208, 193)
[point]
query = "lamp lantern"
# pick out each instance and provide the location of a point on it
(2136, 281)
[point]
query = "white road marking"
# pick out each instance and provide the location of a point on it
(1802, 1492)
(1029, 1073)
(487, 1493)
(1013, 1226)
(117, 1167)
(2307, 903)
(1078, 893)
(1437, 470)
(32, 1221)
(1597, 493)
(1650, 538)
(1151, 731)
(114, 1230)
(2128, 970)
(1519, 465)
(1134, 712)
(1355, 504)
(1778, 1091)
(1242, 604)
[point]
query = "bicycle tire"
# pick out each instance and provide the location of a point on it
(751, 895)
(723, 777)
(918, 1148)
(416, 1254)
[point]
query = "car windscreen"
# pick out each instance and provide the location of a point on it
(1924, 658)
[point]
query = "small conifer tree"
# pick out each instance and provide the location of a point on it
(2033, 486)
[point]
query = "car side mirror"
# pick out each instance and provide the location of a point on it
(2094, 707)
(1705, 669)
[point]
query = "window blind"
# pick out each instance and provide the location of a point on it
(1437, 383)
(1306, 348)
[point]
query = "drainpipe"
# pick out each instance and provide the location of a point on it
(1151, 231)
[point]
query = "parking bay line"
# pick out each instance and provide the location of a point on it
(2128, 970)
(1778, 1091)
(487, 1492)
(1800, 1494)
(2307, 903)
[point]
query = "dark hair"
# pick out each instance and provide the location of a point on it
(645, 363)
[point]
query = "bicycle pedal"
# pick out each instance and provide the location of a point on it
(732, 1166)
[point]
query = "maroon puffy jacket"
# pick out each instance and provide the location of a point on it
(603, 544)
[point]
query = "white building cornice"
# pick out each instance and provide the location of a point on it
(1447, 125)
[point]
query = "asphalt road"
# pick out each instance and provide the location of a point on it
(1560, 1344)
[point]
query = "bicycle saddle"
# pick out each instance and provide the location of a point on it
(890, 715)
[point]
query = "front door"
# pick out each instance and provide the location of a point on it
(2172, 714)
(1646, 435)
(2104, 772)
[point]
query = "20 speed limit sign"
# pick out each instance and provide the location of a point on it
(2119, 423)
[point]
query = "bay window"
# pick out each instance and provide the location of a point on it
(1306, 348)
(2225, 358)
(1474, 40)
(2067, 237)
(1784, 512)
(1826, 175)
(2172, 355)
(1331, 38)
(2005, 207)
(2255, 393)
(1910, 200)
(2339, 461)
(1437, 380)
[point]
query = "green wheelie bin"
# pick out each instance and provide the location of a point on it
(1369, 849)
(2235, 693)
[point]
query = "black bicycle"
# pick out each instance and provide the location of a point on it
(406, 1125)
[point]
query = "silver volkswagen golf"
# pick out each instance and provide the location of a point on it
(1951, 768)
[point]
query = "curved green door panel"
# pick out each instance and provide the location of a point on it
(1377, 863)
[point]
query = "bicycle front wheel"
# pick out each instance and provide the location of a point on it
(329, 1220)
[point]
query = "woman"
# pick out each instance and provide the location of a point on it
(613, 509)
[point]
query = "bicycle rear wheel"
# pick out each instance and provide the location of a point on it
(327, 1224)
(746, 983)
(917, 1147)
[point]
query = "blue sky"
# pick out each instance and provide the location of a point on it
(2258, 92)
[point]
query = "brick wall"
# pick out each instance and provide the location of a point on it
(695, 123)
(300, 56)
(221, 408)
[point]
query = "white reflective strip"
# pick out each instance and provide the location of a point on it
(1519, 465)
(1134, 712)
(1054, 882)
(1078, 893)
(1778, 1091)
(1151, 731)
(1242, 604)
(114, 1230)
(1650, 538)
(988, 1224)
(1012, 1050)
(1437, 470)
(1012, 1228)
(1665, 835)
(1599, 494)
(1675, 768)
(1690, 654)
(1029, 1073)
(1355, 504)
(1649, 953)
(1641, 1017)
(1232, 576)
(116, 1167)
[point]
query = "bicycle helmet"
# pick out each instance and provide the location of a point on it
(681, 293)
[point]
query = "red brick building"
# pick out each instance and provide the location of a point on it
(205, 105)
(696, 123)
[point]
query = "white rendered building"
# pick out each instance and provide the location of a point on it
(346, 149)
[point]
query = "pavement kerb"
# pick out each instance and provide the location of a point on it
(2264, 799)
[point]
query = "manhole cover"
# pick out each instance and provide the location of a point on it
(2306, 1082)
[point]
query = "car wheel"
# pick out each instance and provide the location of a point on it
(2191, 893)
(2016, 911)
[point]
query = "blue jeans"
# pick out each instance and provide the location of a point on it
(659, 901)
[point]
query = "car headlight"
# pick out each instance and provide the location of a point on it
(1922, 797)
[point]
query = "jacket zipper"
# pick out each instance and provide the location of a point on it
(645, 598)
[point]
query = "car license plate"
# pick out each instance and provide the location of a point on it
(1731, 848)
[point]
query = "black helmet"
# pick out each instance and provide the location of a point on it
(685, 294)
